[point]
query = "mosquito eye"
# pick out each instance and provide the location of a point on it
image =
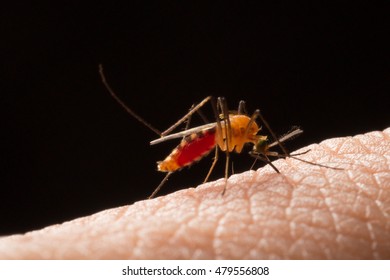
(260, 146)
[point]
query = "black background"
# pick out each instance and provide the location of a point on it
(69, 150)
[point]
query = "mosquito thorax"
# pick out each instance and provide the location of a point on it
(242, 131)
(239, 127)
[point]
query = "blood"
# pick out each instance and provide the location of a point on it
(196, 148)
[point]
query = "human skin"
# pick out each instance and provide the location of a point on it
(305, 212)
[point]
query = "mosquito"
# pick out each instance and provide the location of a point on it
(229, 133)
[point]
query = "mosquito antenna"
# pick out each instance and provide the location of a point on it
(265, 159)
(252, 120)
(212, 164)
(273, 134)
(314, 163)
(188, 121)
(123, 105)
(203, 117)
(192, 111)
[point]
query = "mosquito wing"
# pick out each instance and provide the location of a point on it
(183, 133)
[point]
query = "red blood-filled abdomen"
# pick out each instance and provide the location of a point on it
(191, 149)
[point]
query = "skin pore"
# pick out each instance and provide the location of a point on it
(305, 212)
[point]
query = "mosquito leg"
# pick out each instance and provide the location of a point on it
(202, 116)
(224, 141)
(294, 156)
(188, 121)
(278, 155)
(185, 117)
(160, 185)
(212, 165)
(217, 117)
(226, 171)
(225, 112)
(298, 154)
(273, 134)
(265, 159)
(122, 104)
(316, 164)
(254, 163)
(254, 116)
(228, 136)
(270, 163)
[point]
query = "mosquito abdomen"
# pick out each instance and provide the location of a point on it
(191, 149)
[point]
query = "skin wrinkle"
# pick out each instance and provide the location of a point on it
(251, 219)
(364, 147)
(374, 245)
(384, 211)
(375, 200)
(309, 223)
(137, 214)
(181, 224)
(236, 214)
(208, 223)
(329, 208)
(208, 226)
(137, 238)
(269, 239)
(331, 213)
(216, 234)
(191, 232)
(304, 212)
(287, 212)
(204, 231)
(216, 240)
(328, 149)
(256, 216)
(371, 234)
(292, 227)
(382, 175)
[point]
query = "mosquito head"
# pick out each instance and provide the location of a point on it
(261, 146)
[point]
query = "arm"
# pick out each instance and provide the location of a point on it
(306, 212)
